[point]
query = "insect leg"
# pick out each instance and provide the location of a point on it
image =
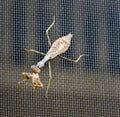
(35, 51)
(75, 61)
(47, 31)
(49, 66)
(50, 78)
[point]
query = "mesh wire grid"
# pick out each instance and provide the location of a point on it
(89, 88)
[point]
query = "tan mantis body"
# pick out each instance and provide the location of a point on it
(58, 47)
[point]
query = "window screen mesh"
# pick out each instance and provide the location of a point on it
(89, 88)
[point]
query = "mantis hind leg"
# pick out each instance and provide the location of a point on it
(47, 31)
(50, 78)
(49, 65)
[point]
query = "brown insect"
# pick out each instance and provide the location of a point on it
(58, 47)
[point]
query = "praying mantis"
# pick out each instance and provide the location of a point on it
(58, 47)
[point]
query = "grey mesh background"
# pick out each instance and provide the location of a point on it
(89, 88)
